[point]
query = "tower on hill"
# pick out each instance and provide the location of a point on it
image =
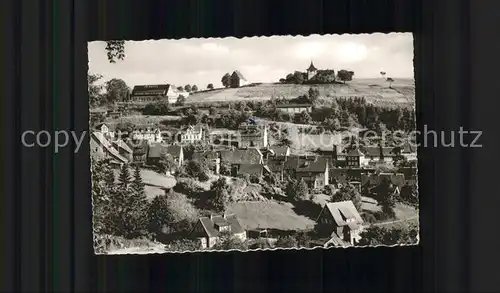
(311, 71)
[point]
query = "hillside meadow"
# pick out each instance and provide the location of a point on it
(375, 91)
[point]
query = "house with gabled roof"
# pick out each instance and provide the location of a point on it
(314, 173)
(252, 169)
(397, 179)
(157, 150)
(212, 157)
(150, 133)
(276, 167)
(123, 149)
(107, 129)
(341, 222)
(101, 148)
(234, 158)
(295, 108)
(155, 92)
(253, 135)
(237, 80)
(208, 229)
(192, 134)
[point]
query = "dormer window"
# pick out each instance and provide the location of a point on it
(223, 228)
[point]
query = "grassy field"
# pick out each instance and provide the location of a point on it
(403, 212)
(374, 90)
(269, 214)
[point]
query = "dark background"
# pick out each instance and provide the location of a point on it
(46, 207)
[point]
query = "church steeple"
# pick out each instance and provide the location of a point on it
(311, 67)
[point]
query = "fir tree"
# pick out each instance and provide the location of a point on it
(124, 178)
(137, 184)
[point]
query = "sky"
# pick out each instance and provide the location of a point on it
(259, 59)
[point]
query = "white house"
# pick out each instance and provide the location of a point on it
(107, 130)
(148, 133)
(192, 134)
(295, 108)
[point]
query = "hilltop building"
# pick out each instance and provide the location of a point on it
(311, 71)
(237, 79)
(157, 92)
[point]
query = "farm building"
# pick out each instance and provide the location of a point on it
(158, 92)
(237, 79)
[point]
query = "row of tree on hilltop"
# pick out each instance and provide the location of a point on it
(321, 77)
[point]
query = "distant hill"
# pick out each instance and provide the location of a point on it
(375, 91)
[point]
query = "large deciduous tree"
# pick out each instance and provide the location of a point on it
(226, 80)
(116, 90)
(95, 95)
(348, 192)
(345, 75)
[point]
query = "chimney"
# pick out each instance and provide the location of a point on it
(335, 152)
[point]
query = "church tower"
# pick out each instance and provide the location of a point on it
(311, 71)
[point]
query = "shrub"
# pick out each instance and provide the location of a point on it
(369, 217)
(254, 178)
(188, 187)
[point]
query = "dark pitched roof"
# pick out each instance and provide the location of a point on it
(275, 165)
(355, 152)
(251, 169)
(248, 156)
(154, 89)
(294, 106)
(138, 146)
(174, 150)
(121, 145)
(343, 212)
(311, 67)
(318, 166)
(239, 75)
(210, 155)
(292, 162)
(397, 179)
(375, 151)
(210, 224)
(156, 150)
(99, 137)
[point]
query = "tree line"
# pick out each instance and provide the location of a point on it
(321, 77)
